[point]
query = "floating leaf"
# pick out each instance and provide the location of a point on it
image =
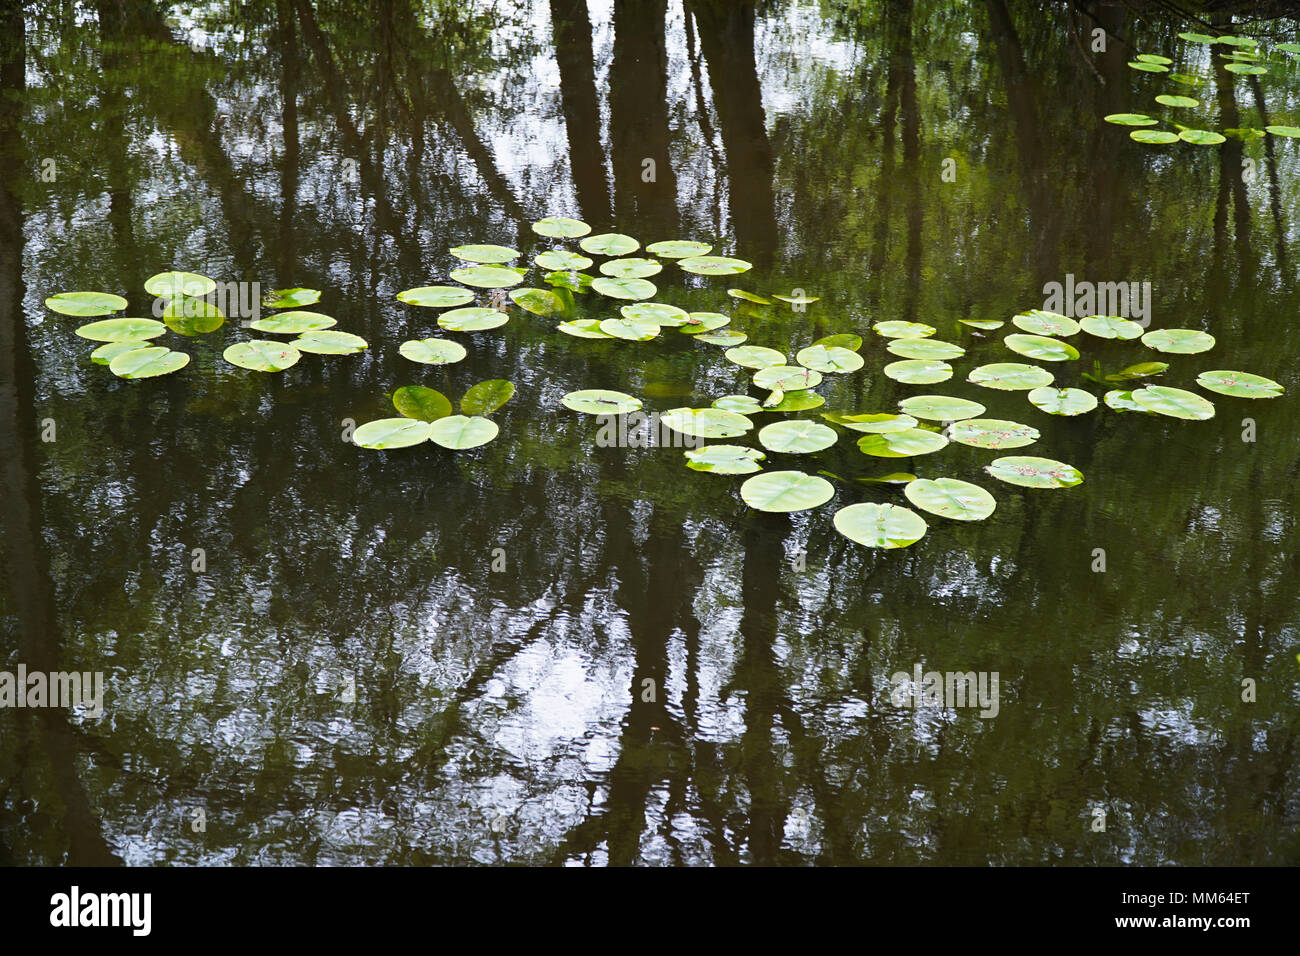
(573, 281)
(799, 437)
(714, 265)
(1237, 384)
(925, 349)
(1152, 58)
(1110, 327)
(1041, 347)
(1122, 401)
(1140, 370)
(1010, 376)
(1045, 323)
(697, 322)
(1201, 137)
(584, 329)
(186, 316)
(147, 362)
(486, 397)
(893, 478)
(1130, 119)
(940, 408)
(290, 298)
(740, 404)
(630, 268)
(330, 342)
(624, 288)
(260, 355)
(601, 401)
(458, 432)
(678, 249)
(986, 325)
(1247, 68)
(436, 296)
(537, 301)
(706, 422)
(784, 491)
(420, 403)
(832, 360)
(171, 285)
(726, 339)
(1290, 131)
(1199, 37)
(904, 444)
(1032, 472)
(1166, 99)
(293, 323)
(1239, 41)
(744, 296)
(1178, 341)
(561, 227)
(609, 244)
(432, 351)
(472, 319)
(1148, 67)
(122, 330)
(634, 330)
(85, 303)
(755, 356)
(880, 526)
(797, 299)
(798, 401)
(656, 313)
(106, 353)
(1153, 136)
(724, 459)
(1173, 402)
(489, 277)
(950, 498)
(561, 260)
(903, 330)
(873, 423)
(392, 433)
(1062, 401)
(843, 340)
(919, 371)
(1185, 79)
(992, 433)
(1288, 47)
(787, 378)
(485, 253)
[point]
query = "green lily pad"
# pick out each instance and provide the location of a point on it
(1248, 42)
(1152, 58)
(1041, 347)
(797, 401)
(706, 422)
(573, 281)
(656, 313)
(1045, 323)
(487, 277)
(487, 396)
(785, 491)
(537, 301)
(1167, 99)
(1130, 119)
(678, 249)
(186, 316)
(875, 423)
(630, 268)
(584, 329)
(1238, 384)
(749, 297)
(293, 323)
(85, 303)
(984, 325)
(992, 433)
(950, 498)
(1140, 370)
(880, 525)
(904, 330)
(1173, 403)
(436, 296)
(472, 319)
(714, 265)
(1178, 341)
(485, 253)
(1111, 327)
(697, 322)
(940, 408)
(109, 351)
(1010, 376)
(1289, 131)
(601, 401)
(843, 340)
(1293, 48)
(919, 371)
(561, 227)
(798, 437)
(609, 244)
(724, 459)
(330, 342)
(740, 404)
(925, 349)
(1062, 401)
(1199, 37)
(1148, 67)
(458, 432)
(624, 288)
(432, 351)
(787, 378)
(122, 330)
(1032, 472)
(834, 359)
(755, 356)
(796, 299)
(1153, 136)
(727, 339)
(290, 298)
(904, 444)
(1201, 137)
(420, 403)
(392, 433)
(171, 285)
(633, 330)
(147, 362)
(561, 260)
(261, 355)
(1122, 401)
(1250, 69)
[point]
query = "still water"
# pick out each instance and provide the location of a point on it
(546, 651)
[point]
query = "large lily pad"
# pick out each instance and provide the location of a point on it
(798, 437)
(1239, 384)
(678, 249)
(925, 349)
(950, 498)
(186, 316)
(392, 433)
(1122, 401)
(122, 330)
(432, 351)
(261, 355)
(489, 254)
(919, 371)
(1111, 327)
(787, 378)
(1031, 472)
(631, 268)
(584, 329)
(609, 244)
(147, 362)
(461, 431)
(436, 296)
(1062, 401)
(904, 444)
(1178, 341)
(330, 342)
(1041, 347)
(798, 401)
(1039, 322)
(1010, 376)
(904, 330)
(472, 319)
(293, 323)
(561, 227)
(634, 330)
(993, 433)
(1173, 402)
(601, 401)
(105, 354)
(940, 408)
(706, 422)
(420, 403)
(724, 459)
(873, 423)
(697, 322)
(624, 288)
(740, 404)
(844, 340)
(880, 525)
(488, 277)
(562, 260)
(831, 359)
(657, 313)
(785, 491)
(85, 303)
(486, 397)
(714, 265)
(755, 356)
(537, 301)
(170, 285)
(727, 338)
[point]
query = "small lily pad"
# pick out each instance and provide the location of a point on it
(992, 433)
(260, 355)
(330, 342)
(609, 244)
(724, 459)
(493, 255)
(940, 408)
(678, 249)
(727, 338)
(1010, 376)
(834, 359)
(796, 299)
(290, 298)
(1178, 341)
(785, 491)
(630, 268)
(799, 437)
(1288, 131)
(916, 348)
(904, 444)
(714, 265)
(109, 351)
(904, 330)
(743, 296)
(1130, 119)
(1148, 67)
(1167, 99)
(919, 371)
(1153, 136)
(1111, 327)
(1062, 401)
(573, 281)
(458, 432)
(561, 227)
(984, 325)
(432, 351)
(740, 404)
(633, 330)
(147, 362)
(755, 356)
(85, 303)
(186, 316)
(624, 288)
(537, 301)
(472, 319)
(488, 277)
(950, 498)
(561, 260)
(486, 397)
(1153, 58)
(657, 313)
(601, 401)
(1030, 472)
(171, 285)
(436, 296)
(797, 401)
(1249, 69)
(1140, 370)
(420, 403)
(392, 433)
(1239, 384)
(1122, 401)
(122, 330)
(1173, 403)
(880, 525)
(584, 329)
(878, 423)
(293, 323)
(843, 340)
(1040, 322)
(697, 322)
(1201, 137)
(706, 422)
(787, 378)
(1041, 347)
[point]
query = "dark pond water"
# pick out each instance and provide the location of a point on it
(420, 656)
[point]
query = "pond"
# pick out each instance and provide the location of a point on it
(563, 645)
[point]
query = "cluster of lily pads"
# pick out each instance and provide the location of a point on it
(1244, 57)
(130, 352)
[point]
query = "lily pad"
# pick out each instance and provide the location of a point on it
(1062, 401)
(1178, 341)
(1173, 402)
(186, 316)
(950, 498)
(740, 404)
(1130, 119)
(488, 277)
(1032, 472)
(1111, 327)
(290, 298)
(487, 396)
(432, 351)
(330, 342)
(122, 330)
(797, 401)
(1153, 136)
(436, 296)
(1122, 401)
(630, 268)
(1148, 67)
(561, 260)
(724, 459)
(1010, 376)
(832, 360)
(584, 329)
(392, 433)
(1201, 137)
(714, 265)
(261, 355)
(800, 437)
(107, 352)
(678, 249)
(727, 338)
(1167, 99)
(925, 349)
(634, 330)
(1199, 37)
(624, 288)
(1041, 347)
(993, 433)
(147, 362)
(485, 253)
(458, 432)
(573, 281)
(1250, 69)
(1289, 131)
(919, 371)
(940, 408)
(755, 356)
(796, 299)
(1238, 384)
(1045, 323)
(749, 297)
(1140, 370)
(904, 330)
(537, 301)
(561, 227)
(787, 378)
(472, 319)
(656, 313)
(843, 340)
(171, 285)
(1153, 58)
(697, 322)
(706, 422)
(609, 244)
(880, 423)
(904, 444)
(293, 323)
(785, 491)
(420, 403)
(85, 303)
(984, 325)
(601, 401)
(880, 525)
